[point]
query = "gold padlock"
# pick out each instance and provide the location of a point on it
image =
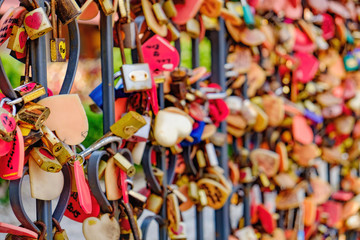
(124, 164)
(200, 157)
(45, 159)
(36, 22)
(51, 141)
(169, 8)
(30, 91)
(17, 39)
(66, 154)
(32, 115)
(129, 124)
(159, 13)
(7, 122)
(57, 43)
(154, 203)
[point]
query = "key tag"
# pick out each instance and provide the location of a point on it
(11, 165)
(57, 43)
(18, 231)
(36, 22)
(12, 17)
(160, 54)
(136, 76)
(75, 212)
(68, 118)
(301, 130)
(82, 187)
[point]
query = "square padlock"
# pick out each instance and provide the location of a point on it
(136, 77)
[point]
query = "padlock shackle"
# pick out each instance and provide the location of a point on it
(6, 100)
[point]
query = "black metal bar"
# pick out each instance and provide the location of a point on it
(107, 71)
(5, 85)
(218, 45)
(178, 48)
(74, 54)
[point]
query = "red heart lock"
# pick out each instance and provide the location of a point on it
(12, 164)
(160, 54)
(334, 210)
(34, 21)
(266, 219)
(302, 42)
(327, 26)
(186, 11)
(301, 130)
(307, 68)
(18, 231)
(8, 20)
(76, 213)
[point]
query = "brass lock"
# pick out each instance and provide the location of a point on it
(159, 13)
(60, 233)
(137, 201)
(8, 122)
(51, 141)
(67, 10)
(31, 136)
(32, 115)
(17, 40)
(45, 159)
(57, 43)
(200, 157)
(66, 154)
(129, 124)
(107, 7)
(36, 22)
(169, 8)
(124, 164)
(154, 203)
(30, 91)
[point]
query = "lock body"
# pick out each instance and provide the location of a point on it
(17, 40)
(66, 154)
(136, 77)
(107, 7)
(154, 203)
(169, 8)
(45, 159)
(124, 164)
(32, 115)
(7, 125)
(128, 125)
(67, 10)
(37, 23)
(30, 91)
(130, 38)
(51, 141)
(159, 13)
(58, 50)
(142, 134)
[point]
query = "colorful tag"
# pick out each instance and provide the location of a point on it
(18, 231)
(83, 188)
(12, 164)
(160, 54)
(76, 213)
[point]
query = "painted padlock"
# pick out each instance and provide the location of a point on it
(57, 43)
(17, 40)
(36, 22)
(45, 159)
(8, 122)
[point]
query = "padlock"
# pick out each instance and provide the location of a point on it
(193, 192)
(17, 40)
(31, 136)
(122, 163)
(29, 92)
(202, 198)
(130, 31)
(32, 115)
(193, 28)
(52, 143)
(136, 77)
(174, 189)
(159, 13)
(200, 157)
(36, 22)
(178, 89)
(57, 44)
(107, 7)
(211, 154)
(45, 159)
(66, 154)
(60, 233)
(169, 8)
(142, 135)
(173, 212)
(8, 122)
(154, 203)
(173, 31)
(129, 124)
(67, 11)
(137, 201)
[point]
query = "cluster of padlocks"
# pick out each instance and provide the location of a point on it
(280, 105)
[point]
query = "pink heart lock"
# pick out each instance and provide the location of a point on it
(34, 20)
(12, 164)
(160, 54)
(307, 68)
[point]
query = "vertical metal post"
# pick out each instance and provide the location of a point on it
(39, 74)
(195, 59)
(163, 234)
(107, 70)
(218, 45)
